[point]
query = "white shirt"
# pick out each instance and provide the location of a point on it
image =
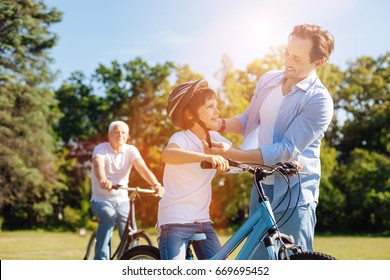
(268, 114)
(251, 141)
(187, 186)
(118, 167)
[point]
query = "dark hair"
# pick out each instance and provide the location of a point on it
(323, 41)
(198, 100)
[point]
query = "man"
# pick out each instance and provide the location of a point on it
(111, 165)
(286, 120)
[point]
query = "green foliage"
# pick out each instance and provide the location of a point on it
(28, 174)
(330, 210)
(83, 111)
(365, 179)
(365, 96)
(72, 218)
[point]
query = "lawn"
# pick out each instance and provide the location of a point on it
(41, 245)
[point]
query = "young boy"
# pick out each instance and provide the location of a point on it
(184, 209)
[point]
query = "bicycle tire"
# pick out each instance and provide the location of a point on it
(90, 253)
(142, 252)
(137, 239)
(311, 256)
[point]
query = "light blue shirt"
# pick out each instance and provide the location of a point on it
(303, 118)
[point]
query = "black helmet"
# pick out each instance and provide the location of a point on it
(179, 99)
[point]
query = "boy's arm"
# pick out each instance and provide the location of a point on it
(173, 154)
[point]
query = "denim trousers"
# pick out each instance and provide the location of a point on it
(300, 225)
(174, 238)
(108, 214)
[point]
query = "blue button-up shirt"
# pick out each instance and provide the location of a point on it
(303, 118)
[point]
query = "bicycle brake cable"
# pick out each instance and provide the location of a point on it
(296, 203)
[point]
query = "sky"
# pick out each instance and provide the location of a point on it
(200, 32)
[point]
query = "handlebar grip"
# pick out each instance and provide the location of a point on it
(116, 187)
(290, 168)
(206, 165)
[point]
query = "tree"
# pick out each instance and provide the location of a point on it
(28, 178)
(365, 96)
(364, 178)
(331, 207)
(84, 112)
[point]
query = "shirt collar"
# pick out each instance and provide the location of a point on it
(113, 151)
(305, 84)
(195, 139)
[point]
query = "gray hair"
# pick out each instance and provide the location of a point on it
(117, 123)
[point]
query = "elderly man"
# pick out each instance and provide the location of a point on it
(112, 163)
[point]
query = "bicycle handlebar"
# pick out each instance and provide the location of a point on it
(134, 189)
(266, 169)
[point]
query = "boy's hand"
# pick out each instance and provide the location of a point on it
(218, 162)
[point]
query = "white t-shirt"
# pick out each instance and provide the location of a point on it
(268, 113)
(187, 186)
(118, 167)
(251, 141)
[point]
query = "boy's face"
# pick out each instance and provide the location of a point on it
(208, 113)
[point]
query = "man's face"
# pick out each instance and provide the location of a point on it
(118, 135)
(297, 59)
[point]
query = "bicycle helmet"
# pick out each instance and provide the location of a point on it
(180, 98)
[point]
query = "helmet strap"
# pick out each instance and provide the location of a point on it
(206, 130)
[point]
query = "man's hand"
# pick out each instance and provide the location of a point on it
(218, 148)
(298, 165)
(105, 184)
(159, 189)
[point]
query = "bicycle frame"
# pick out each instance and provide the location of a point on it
(260, 228)
(131, 229)
(260, 224)
(131, 233)
(254, 227)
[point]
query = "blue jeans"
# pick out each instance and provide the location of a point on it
(301, 224)
(108, 214)
(173, 241)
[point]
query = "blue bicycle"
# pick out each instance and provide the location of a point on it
(260, 229)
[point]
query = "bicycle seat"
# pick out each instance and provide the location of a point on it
(198, 236)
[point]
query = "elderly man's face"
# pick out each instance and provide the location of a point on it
(118, 135)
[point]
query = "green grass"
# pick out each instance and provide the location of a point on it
(41, 245)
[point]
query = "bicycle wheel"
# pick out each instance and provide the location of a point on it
(311, 256)
(140, 238)
(143, 252)
(90, 253)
